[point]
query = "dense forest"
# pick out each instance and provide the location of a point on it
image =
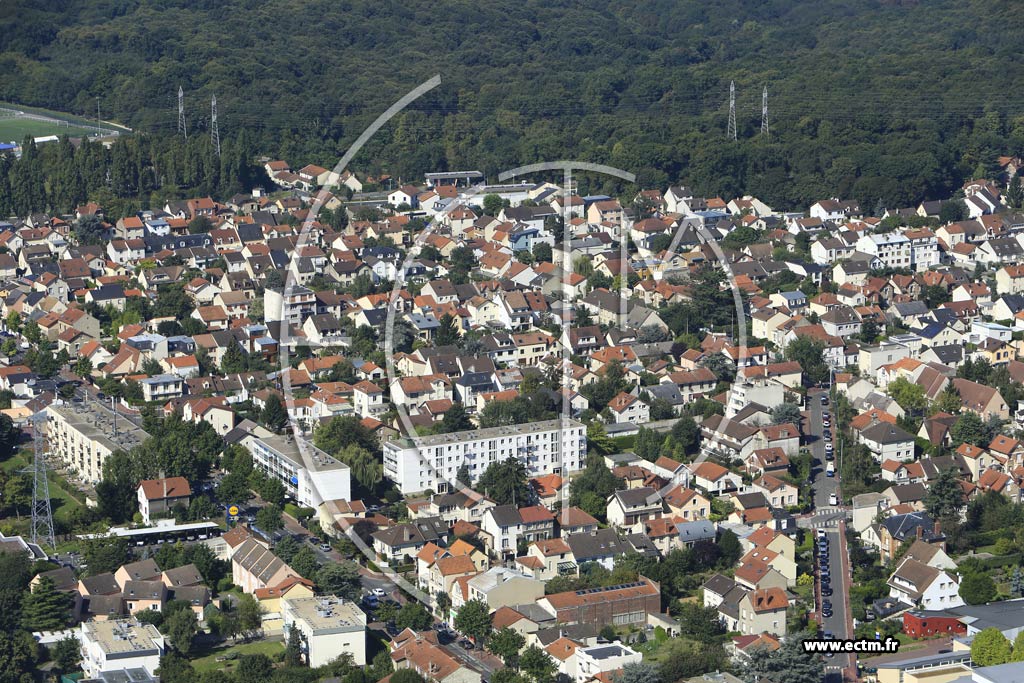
(883, 101)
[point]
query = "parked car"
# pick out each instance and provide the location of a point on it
(326, 547)
(833, 499)
(379, 592)
(826, 591)
(824, 399)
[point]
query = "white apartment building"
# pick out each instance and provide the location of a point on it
(83, 435)
(120, 644)
(310, 476)
(162, 387)
(431, 462)
(924, 249)
(599, 659)
(892, 248)
(328, 627)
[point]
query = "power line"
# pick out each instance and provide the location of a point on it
(181, 113)
(214, 132)
(764, 113)
(730, 131)
(42, 513)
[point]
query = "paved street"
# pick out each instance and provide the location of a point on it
(828, 516)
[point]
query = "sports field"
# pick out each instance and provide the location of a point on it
(17, 121)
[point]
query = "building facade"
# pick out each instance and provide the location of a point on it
(432, 462)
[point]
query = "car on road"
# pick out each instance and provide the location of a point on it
(833, 499)
(821, 533)
(825, 573)
(830, 470)
(326, 547)
(378, 592)
(826, 591)
(314, 540)
(827, 613)
(825, 422)
(824, 399)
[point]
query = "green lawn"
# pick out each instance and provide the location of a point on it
(14, 129)
(61, 497)
(208, 662)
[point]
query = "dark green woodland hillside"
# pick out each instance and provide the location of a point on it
(880, 101)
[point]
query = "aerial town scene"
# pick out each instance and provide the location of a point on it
(416, 378)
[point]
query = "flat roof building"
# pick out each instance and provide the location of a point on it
(432, 462)
(118, 645)
(309, 475)
(83, 435)
(328, 627)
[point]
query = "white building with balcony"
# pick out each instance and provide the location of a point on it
(432, 462)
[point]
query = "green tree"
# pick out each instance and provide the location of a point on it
(181, 627)
(506, 643)
(340, 578)
(538, 665)
(200, 224)
(66, 654)
(249, 612)
(338, 432)
(305, 562)
(448, 333)
(969, 429)
(542, 252)
(506, 482)
(637, 672)
(589, 490)
(977, 588)
(413, 615)
(686, 434)
(268, 519)
(647, 444)
(406, 675)
(175, 668)
(948, 400)
(598, 440)
(788, 664)
(234, 360)
(15, 574)
(990, 648)
(787, 413)
(474, 620)
(45, 608)
(16, 656)
(456, 419)
(255, 668)
(293, 648)
(233, 488)
(106, 554)
(493, 204)
(274, 415)
(808, 353)
(699, 622)
(82, 367)
(945, 496)
(1018, 648)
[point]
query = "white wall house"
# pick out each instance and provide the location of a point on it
(432, 462)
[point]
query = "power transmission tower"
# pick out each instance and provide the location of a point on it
(764, 113)
(214, 132)
(42, 514)
(731, 131)
(181, 113)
